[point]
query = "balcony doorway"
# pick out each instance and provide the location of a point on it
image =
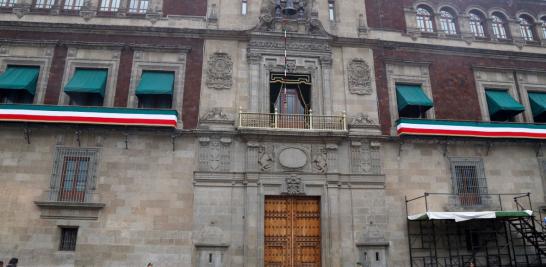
(290, 97)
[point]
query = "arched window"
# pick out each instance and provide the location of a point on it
(448, 21)
(543, 22)
(498, 24)
(424, 19)
(477, 23)
(526, 28)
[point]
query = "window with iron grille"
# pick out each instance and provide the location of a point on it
(69, 236)
(44, 3)
(73, 176)
(7, 3)
(73, 4)
(109, 5)
(469, 183)
(138, 6)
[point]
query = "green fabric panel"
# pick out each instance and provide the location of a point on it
(500, 100)
(87, 81)
(538, 103)
(411, 95)
(90, 109)
(473, 123)
(20, 78)
(156, 83)
(511, 214)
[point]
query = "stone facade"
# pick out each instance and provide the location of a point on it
(194, 195)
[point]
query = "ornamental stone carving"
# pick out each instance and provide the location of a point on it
(216, 114)
(320, 161)
(265, 158)
(214, 154)
(219, 72)
(292, 158)
(362, 120)
(294, 186)
(359, 77)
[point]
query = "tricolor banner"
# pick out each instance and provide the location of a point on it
(88, 115)
(471, 129)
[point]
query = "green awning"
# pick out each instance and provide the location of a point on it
(87, 81)
(411, 96)
(156, 83)
(20, 78)
(538, 103)
(500, 101)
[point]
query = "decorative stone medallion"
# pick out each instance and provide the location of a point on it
(293, 158)
(359, 77)
(219, 72)
(294, 186)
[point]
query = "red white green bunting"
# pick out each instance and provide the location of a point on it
(88, 115)
(471, 129)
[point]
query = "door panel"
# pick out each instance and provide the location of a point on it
(292, 232)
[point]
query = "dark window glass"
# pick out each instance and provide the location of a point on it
(68, 238)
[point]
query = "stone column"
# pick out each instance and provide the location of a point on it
(254, 81)
(326, 66)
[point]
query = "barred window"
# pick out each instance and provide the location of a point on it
(469, 183)
(498, 24)
(109, 5)
(526, 28)
(69, 236)
(44, 3)
(7, 3)
(424, 19)
(73, 4)
(448, 21)
(73, 176)
(138, 6)
(477, 23)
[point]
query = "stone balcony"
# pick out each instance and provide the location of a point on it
(295, 122)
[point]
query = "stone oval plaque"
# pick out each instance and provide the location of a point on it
(292, 158)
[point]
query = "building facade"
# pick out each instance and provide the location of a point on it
(272, 133)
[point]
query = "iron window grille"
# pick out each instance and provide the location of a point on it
(74, 174)
(73, 4)
(499, 27)
(69, 235)
(109, 5)
(138, 6)
(424, 20)
(448, 22)
(526, 29)
(7, 3)
(469, 182)
(46, 4)
(476, 25)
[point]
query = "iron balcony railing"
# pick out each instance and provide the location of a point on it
(307, 121)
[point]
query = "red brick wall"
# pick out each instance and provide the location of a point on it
(55, 75)
(452, 80)
(389, 14)
(185, 7)
(124, 77)
(192, 85)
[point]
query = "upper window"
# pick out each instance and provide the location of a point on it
(543, 22)
(537, 101)
(73, 174)
(501, 105)
(109, 5)
(468, 178)
(448, 22)
(526, 28)
(424, 19)
(244, 7)
(498, 24)
(72, 4)
(7, 3)
(412, 102)
(86, 87)
(477, 22)
(18, 84)
(331, 10)
(44, 3)
(138, 6)
(155, 89)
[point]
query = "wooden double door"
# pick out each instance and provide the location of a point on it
(292, 231)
